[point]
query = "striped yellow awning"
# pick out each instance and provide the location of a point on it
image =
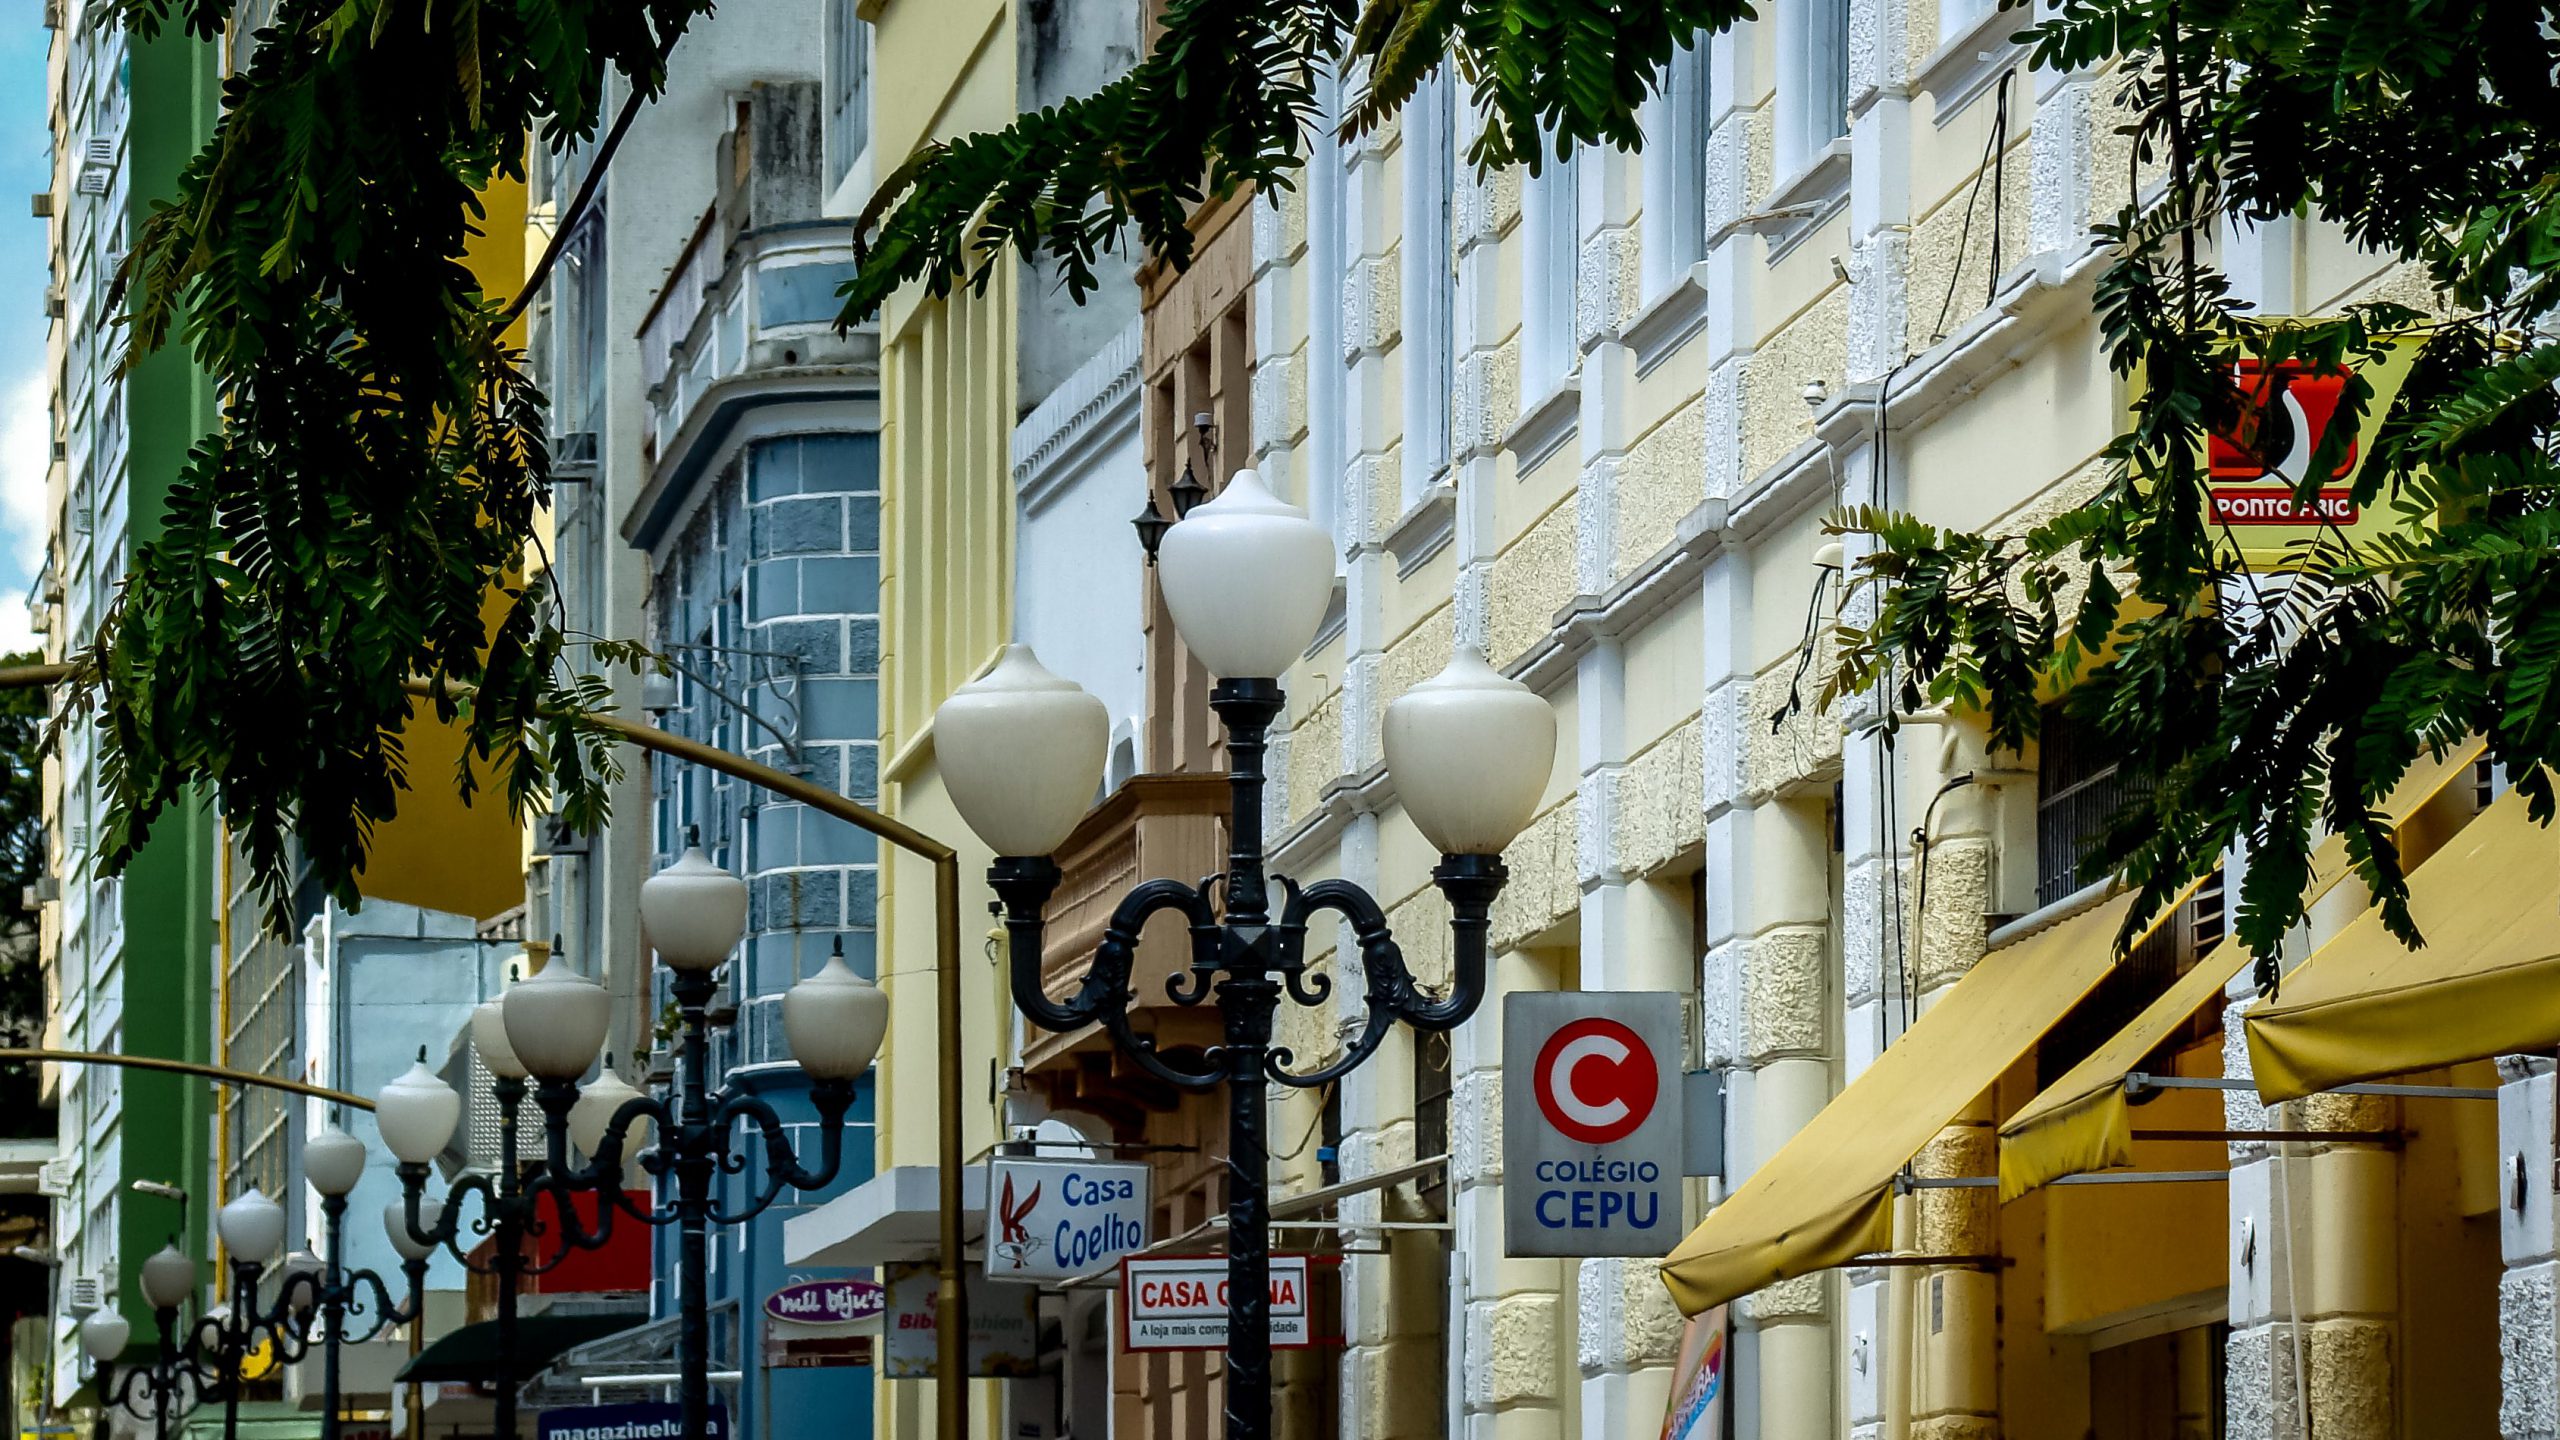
(1826, 1197)
(2081, 1122)
(2487, 982)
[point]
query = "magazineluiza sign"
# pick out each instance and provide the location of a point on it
(1179, 1302)
(1593, 1127)
(1060, 1219)
(648, 1420)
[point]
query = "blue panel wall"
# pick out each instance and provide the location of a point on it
(782, 559)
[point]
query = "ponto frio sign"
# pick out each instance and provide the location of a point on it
(1592, 1130)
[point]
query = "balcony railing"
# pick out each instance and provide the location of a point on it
(765, 301)
(1152, 827)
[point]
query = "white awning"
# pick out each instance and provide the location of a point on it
(894, 1216)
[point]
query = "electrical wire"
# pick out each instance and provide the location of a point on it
(1991, 165)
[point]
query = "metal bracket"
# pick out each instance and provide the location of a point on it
(2137, 1082)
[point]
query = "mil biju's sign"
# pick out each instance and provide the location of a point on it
(1179, 1302)
(1060, 1219)
(826, 1302)
(1593, 1127)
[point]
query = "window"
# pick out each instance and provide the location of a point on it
(1552, 213)
(848, 88)
(1957, 16)
(1814, 98)
(2078, 789)
(1430, 286)
(584, 348)
(1326, 214)
(1675, 173)
(1431, 1087)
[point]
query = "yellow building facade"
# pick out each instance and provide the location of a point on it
(1591, 421)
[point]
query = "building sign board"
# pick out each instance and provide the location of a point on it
(646, 1420)
(1592, 1124)
(2288, 416)
(1003, 1332)
(826, 1302)
(1060, 1219)
(1179, 1302)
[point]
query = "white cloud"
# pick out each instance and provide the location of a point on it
(25, 449)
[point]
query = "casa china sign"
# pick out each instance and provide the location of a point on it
(1592, 1129)
(826, 1302)
(1179, 1302)
(1060, 1219)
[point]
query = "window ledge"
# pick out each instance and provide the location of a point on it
(1426, 528)
(1797, 204)
(1965, 68)
(1669, 322)
(1544, 425)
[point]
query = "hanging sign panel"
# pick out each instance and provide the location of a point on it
(1179, 1302)
(1060, 1219)
(1003, 1326)
(1592, 1125)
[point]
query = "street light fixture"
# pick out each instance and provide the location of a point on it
(1247, 578)
(169, 1382)
(417, 1113)
(333, 1161)
(695, 915)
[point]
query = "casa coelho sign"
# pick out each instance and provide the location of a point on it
(1179, 1302)
(1592, 1124)
(1060, 1219)
(826, 1302)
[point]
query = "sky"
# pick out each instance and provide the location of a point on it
(24, 170)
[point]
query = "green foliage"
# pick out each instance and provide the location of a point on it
(2255, 709)
(1226, 99)
(363, 515)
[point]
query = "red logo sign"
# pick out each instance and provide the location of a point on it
(2259, 459)
(1596, 1081)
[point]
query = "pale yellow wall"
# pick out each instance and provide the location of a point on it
(947, 405)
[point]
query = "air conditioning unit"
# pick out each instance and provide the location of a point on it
(84, 1294)
(80, 521)
(54, 302)
(53, 14)
(61, 451)
(40, 205)
(80, 839)
(101, 150)
(95, 179)
(573, 457)
(53, 1177)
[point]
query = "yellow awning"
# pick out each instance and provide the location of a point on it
(1827, 1195)
(2081, 1122)
(2487, 983)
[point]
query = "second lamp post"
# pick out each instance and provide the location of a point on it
(1248, 579)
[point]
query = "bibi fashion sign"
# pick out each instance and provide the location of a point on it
(1591, 1123)
(1058, 1219)
(1003, 1326)
(648, 1420)
(1179, 1302)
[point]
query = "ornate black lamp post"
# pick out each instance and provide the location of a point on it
(1248, 579)
(552, 1024)
(333, 1161)
(171, 1382)
(418, 1113)
(695, 915)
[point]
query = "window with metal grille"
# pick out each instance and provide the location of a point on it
(2139, 977)
(2078, 790)
(1431, 1115)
